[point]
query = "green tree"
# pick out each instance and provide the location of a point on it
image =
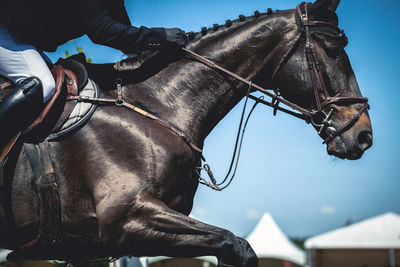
(79, 49)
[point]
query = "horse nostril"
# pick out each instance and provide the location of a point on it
(365, 139)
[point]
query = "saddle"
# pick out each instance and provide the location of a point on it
(62, 114)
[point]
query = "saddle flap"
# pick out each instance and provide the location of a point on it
(63, 115)
(57, 109)
(59, 77)
(72, 90)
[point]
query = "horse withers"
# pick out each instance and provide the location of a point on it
(126, 182)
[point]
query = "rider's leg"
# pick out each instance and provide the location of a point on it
(24, 65)
(19, 61)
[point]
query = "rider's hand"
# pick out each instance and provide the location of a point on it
(175, 36)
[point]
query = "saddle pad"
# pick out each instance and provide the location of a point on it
(79, 115)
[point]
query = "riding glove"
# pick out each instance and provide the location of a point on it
(175, 36)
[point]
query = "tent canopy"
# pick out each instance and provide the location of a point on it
(268, 241)
(381, 232)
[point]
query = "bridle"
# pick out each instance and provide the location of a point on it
(317, 117)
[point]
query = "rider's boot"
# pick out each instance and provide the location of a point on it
(18, 110)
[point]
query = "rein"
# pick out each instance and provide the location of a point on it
(238, 148)
(273, 95)
(318, 118)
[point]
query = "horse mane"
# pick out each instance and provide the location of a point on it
(206, 31)
(137, 60)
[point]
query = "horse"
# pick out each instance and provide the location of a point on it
(126, 181)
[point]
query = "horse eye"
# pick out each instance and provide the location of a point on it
(334, 52)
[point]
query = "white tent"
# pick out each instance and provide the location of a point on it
(268, 241)
(372, 242)
(379, 232)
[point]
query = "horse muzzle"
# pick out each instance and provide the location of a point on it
(352, 143)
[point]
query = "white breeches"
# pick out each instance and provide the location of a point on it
(19, 61)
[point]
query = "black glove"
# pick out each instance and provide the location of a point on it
(175, 36)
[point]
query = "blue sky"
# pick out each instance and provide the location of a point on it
(285, 169)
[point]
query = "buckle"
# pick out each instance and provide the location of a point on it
(119, 101)
(321, 120)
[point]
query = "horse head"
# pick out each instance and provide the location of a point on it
(315, 73)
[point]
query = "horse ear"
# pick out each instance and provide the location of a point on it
(322, 6)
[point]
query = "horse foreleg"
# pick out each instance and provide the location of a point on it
(150, 228)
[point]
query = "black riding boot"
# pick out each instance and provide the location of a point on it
(19, 109)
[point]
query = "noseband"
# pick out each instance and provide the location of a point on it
(317, 117)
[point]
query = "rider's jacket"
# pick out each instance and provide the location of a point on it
(47, 24)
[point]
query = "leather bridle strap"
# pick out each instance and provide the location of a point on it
(348, 125)
(120, 102)
(314, 67)
(286, 55)
(273, 95)
(183, 136)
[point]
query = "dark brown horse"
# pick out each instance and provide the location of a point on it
(127, 183)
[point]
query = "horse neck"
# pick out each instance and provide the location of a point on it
(194, 97)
